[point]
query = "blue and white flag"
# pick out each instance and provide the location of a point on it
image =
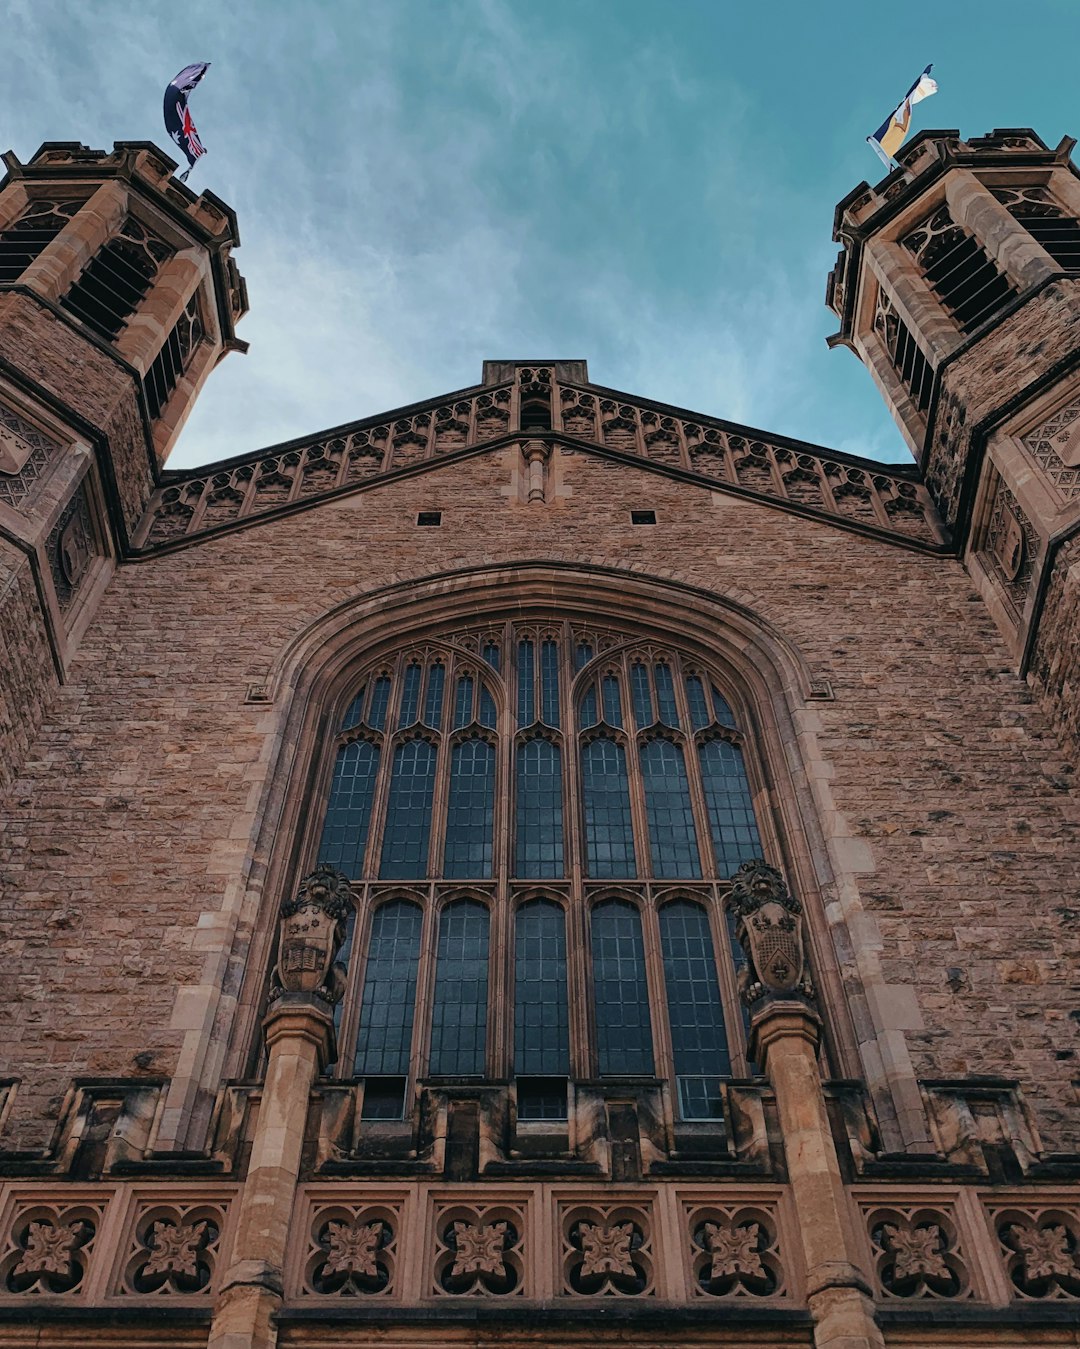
(889, 136)
(178, 121)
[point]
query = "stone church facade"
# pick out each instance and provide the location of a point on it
(539, 866)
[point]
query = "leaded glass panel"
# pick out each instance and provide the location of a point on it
(695, 1011)
(348, 814)
(526, 693)
(665, 695)
(354, 713)
(463, 702)
(433, 702)
(672, 836)
(731, 808)
(549, 683)
(699, 708)
(621, 993)
(384, 1041)
(539, 834)
(408, 812)
(642, 695)
(410, 696)
(471, 810)
(609, 828)
(541, 1013)
(380, 697)
(459, 1013)
(612, 697)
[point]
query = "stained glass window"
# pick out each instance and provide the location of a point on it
(471, 809)
(384, 1041)
(408, 812)
(609, 827)
(623, 1027)
(541, 1013)
(539, 833)
(459, 1014)
(672, 836)
(695, 1011)
(348, 814)
(731, 809)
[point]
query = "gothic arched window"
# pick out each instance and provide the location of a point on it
(549, 816)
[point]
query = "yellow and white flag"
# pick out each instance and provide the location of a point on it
(889, 136)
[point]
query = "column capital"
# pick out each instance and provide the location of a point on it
(787, 1019)
(305, 1017)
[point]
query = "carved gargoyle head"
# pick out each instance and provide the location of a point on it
(769, 929)
(312, 934)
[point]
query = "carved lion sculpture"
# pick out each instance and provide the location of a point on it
(312, 934)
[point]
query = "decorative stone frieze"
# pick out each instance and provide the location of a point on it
(174, 1250)
(917, 1253)
(607, 1250)
(1041, 1250)
(735, 1252)
(353, 1251)
(1055, 446)
(25, 453)
(479, 1250)
(50, 1247)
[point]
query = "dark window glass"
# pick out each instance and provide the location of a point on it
(583, 653)
(665, 695)
(354, 713)
(541, 1017)
(380, 697)
(549, 682)
(487, 708)
(384, 1098)
(408, 812)
(348, 815)
(459, 1014)
(588, 716)
(410, 696)
(386, 1009)
(699, 708)
(731, 809)
(111, 286)
(539, 833)
(623, 1028)
(609, 834)
(724, 714)
(491, 655)
(642, 695)
(463, 703)
(433, 702)
(24, 241)
(695, 1012)
(173, 359)
(672, 836)
(471, 810)
(541, 1098)
(525, 674)
(609, 687)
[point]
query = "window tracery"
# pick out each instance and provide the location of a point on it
(542, 814)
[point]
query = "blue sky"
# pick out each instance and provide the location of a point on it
(424, 184)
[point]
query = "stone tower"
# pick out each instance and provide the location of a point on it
(959, 288)
(118, 296)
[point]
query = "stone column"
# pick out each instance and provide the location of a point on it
(784, 1034)
(299, 1031)
(299, 1036)
(784, 1039)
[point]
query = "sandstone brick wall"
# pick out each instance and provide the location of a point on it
(27, 676)
(1055, 665)
(78, 373)
(144, 788)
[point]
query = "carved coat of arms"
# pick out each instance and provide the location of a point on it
(769, 926)
(312, 933)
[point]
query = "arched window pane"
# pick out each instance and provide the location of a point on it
(583, 653)
(354, 713)
(539, 832)
(471, 810)
(348, 815)
(549, 682)
(609, 833)
(695, 1013)
(408, 812)
(672, 836)
(386, 1009)
(491, 655)
(623, 1028)
(433, 702)
(665, 695)
(642, 695)
(380, 697)
(526, 675)
(541, 1018)
(724, 714)
(612, 700)
(588, 716)
(463, 703)
(487, 708)
(731, 811)
(699, 708)
(459, 1014)
(410, 696)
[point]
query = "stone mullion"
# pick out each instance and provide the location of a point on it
(147, 330)
(899, 275)
(579, 991)
(440, 797)
(500, 1012)
(663, 1051)
(875, 355)
(15, 200)
(729, 988)
(423, 1004)
(1004, 238)
(59, 264)
(639, 813)
(684, 450)
(350, 1007)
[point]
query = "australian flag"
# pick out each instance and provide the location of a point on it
(178, 121)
